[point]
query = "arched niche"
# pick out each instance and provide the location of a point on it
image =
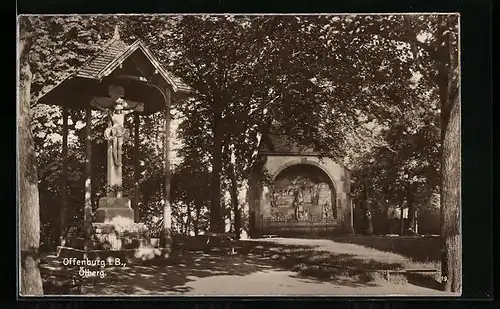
(303, 191)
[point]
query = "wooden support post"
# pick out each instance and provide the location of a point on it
(87, 211)
(137, 171)
(368, 212)
(109, 154)
(64, 177)
(167, 211)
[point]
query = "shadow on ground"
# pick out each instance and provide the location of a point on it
(342, 269)
(166, 277)
(173, 276)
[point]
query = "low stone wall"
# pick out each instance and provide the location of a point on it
(201, 243)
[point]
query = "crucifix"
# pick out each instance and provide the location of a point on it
(116, 108)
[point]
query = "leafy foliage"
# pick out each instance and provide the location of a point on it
(376, 91)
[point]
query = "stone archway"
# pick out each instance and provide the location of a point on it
(303, 161)
(265, 217)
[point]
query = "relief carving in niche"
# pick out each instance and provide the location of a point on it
(302, 197)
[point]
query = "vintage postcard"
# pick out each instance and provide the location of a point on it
(239, 155)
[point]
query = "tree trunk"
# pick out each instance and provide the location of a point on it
(253, 198)
(29, 208)
(368, 212)
(402, 221)
(448, 80)
(234, 201)
(87, 210)
(181, 227)
(196, 221)
(412, 219)
(216, 220)
(188, 220)
(450, 203)
(137, 168)
(412, 214)
(167, 208)
(63, 216)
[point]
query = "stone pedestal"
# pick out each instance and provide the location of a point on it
(113, 207)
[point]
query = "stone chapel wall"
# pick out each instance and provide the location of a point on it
(337, 174)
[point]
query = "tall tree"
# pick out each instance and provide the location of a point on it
(408, 44)
(444, 51)
(31, 281)
(435, 43)
(190, 188)
(259, 70)
(404, 170)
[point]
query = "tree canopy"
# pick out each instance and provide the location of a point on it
(373, 90)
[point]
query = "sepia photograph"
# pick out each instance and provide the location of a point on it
(239, 155)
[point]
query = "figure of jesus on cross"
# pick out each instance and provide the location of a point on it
(116, 132)
(116, 108)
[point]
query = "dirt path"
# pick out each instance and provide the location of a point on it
(246, 274)
(288, 283)
(254, 279)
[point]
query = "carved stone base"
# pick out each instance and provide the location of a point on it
(112, 237)
(112, 207)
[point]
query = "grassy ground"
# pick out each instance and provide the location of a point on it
(333, 251)
(425, 249)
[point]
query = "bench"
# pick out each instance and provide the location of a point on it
(230, 237)
(269, 236)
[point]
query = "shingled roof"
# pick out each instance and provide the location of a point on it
(281, 144)
(91, 78)
(115, 52)
(96, 65)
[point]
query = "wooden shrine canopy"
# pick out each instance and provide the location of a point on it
(132, 66)
(141, 81)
